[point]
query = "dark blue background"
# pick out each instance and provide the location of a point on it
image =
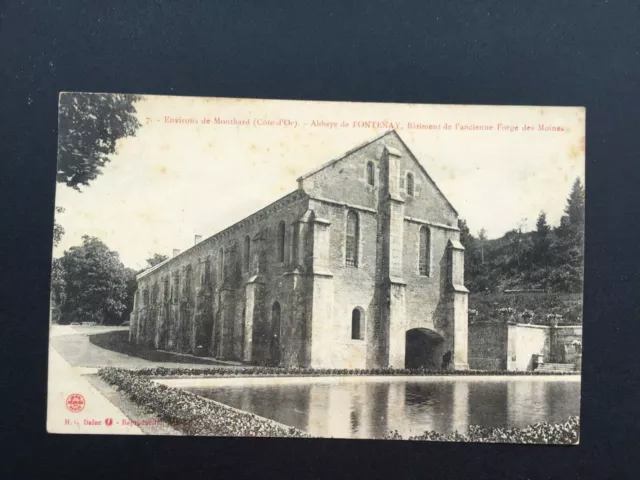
(581, 53)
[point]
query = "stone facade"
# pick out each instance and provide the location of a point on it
(360, 267)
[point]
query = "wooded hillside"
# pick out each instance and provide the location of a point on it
(548, 258)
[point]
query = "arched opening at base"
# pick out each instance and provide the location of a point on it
(274, 344)
(204, 334)
(424, 349)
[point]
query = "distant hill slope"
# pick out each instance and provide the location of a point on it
(548, 258)
(516, 262)
(526, 307)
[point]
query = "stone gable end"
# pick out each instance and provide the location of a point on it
(345, 180)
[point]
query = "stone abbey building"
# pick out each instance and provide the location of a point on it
(360, 267)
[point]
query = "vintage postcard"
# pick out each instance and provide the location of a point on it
(243, 267)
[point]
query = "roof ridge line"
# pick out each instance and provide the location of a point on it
(219, 232)
(344, 155)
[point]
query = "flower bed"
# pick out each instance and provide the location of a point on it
(549, 433)
(191, 414)
(311, 372)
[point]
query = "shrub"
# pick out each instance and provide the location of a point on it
(497, 306)
(310, 372)
(549, 433)
(190, 413)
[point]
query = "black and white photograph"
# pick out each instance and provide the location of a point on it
(283, 268)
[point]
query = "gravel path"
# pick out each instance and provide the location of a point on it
(73, 343)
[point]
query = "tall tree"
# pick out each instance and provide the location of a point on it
(482, 238)
(542, 240)
(542, 227)
(155, 259)
(89, 125)
(131, 287)
(58, 293)
(58, 230)
(575, 203)
(567, 250)
(465, 234)
(96, 283)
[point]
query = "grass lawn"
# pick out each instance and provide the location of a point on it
(118, 341)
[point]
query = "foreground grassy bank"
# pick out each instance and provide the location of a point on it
(321, 372)
(194, 415)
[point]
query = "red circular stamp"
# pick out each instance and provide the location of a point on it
(75, 403)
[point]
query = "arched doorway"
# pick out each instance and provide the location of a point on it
(274, 347)
(424, 349)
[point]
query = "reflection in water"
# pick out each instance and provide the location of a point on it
(371, 407)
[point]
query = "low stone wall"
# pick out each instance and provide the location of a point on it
(562, 340)
(511, 347)
(488, 346)
(525, 341)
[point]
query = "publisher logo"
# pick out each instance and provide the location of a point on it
(75, 403)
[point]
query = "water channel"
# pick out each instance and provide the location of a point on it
(370, 407)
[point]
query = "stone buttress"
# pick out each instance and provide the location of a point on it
(392, 322)
(457, 305)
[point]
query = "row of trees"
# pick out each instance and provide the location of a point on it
(548, 258)
(91, 284)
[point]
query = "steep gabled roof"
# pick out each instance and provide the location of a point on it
(296, 194)
(425, 172)
(343, 156)
(360, 147)
(321, 167)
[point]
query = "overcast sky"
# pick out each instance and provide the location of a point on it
(174, 180)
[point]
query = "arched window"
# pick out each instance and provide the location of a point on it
(166, 292)
(145, 297)
(280, 242)
(207, 272)
(357, 324)
(274, 346)
(371, 179)
(187, 281)
(410, 184)
(275, 315)
(174, 286)
(295, 239)
(175, 296)
(246, 254)
(155, 294)
(352, 240)
(220, 264)
(425, 252)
